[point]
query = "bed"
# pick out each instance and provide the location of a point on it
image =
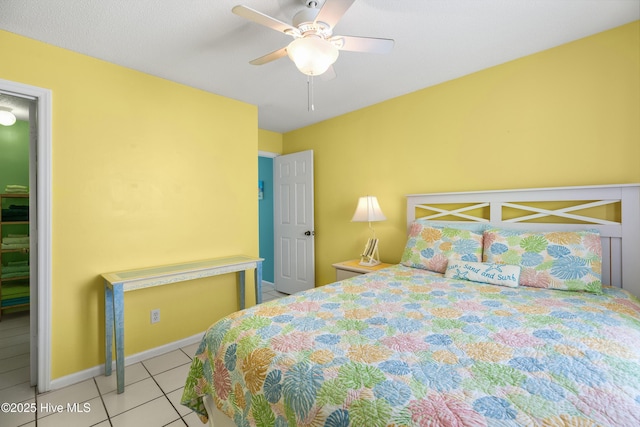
(508, 308)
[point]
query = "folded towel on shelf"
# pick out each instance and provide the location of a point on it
(15, 215)
(15, 269)
(23, 262)
(15, 246)
(24, 269)
(14, 301)
(15, 239)
(13, 275)
(15, 290)
(16, 189)
(15, 211)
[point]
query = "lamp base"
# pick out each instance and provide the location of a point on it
(370, 257)
(368, 263)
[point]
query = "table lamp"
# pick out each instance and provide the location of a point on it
(368, 210)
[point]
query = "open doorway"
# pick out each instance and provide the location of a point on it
(39, 227)
(266, 212)
(265, 215)
(18, 264)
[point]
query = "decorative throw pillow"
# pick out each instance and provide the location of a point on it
(494, 274)
(430, 248)
(568, 260)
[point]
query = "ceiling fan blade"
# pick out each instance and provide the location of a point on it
(362, 44)
(266, 20)
(332, 11)
(276, 54)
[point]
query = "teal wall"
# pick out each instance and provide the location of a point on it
(14, 154)
(265, 206)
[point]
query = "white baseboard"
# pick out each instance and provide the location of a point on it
(129, 360)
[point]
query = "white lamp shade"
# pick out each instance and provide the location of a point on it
(368, 209)
(7, 118)
(312, 55)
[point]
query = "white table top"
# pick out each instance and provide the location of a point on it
(164, 274)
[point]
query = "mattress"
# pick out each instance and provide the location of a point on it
(409, 347)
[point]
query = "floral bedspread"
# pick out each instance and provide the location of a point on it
(406, 347)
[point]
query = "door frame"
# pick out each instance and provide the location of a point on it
(40, 329)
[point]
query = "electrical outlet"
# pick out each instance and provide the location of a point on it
(155, 315)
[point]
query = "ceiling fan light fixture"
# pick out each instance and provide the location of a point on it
(312, 55)
(7, 118)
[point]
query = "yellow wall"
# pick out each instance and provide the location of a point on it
(138, 182)
(143, 174)
(269, 141)
(566, 116)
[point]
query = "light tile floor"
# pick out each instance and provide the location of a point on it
(152, 396)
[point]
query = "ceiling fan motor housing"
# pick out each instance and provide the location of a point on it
(311, 3)
(305, 22)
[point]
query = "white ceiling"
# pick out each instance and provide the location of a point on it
(17, 105)
(200, 43)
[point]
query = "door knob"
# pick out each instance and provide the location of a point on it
(309, 233)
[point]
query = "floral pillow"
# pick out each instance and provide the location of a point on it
(567, 260)
(476, 226)
(483, 272)
(430, 248)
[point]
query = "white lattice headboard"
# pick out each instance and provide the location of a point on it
(612, 209)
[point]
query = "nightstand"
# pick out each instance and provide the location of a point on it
(351, 268)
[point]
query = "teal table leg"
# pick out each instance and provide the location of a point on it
(258, 277)
(118, 297)
(108, 327)
(241, 288)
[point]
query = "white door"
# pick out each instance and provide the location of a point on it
(293, 222)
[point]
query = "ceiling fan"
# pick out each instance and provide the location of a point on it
(314, 48)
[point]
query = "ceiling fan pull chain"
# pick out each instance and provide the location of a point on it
(310, 106)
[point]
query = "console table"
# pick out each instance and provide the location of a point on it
(119, 282)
